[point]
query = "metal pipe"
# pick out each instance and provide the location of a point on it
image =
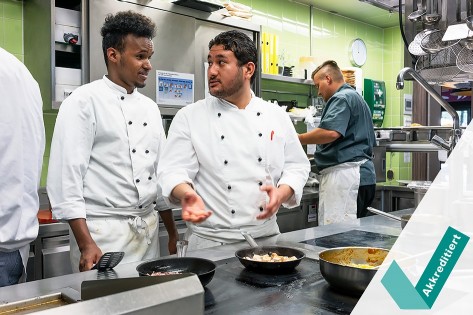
(436, 96)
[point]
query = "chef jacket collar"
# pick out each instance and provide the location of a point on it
(112, 85)
(227, 103)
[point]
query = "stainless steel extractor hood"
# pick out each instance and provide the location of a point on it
(390, 5)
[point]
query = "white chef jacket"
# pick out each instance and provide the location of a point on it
(104, 154)
(22, 142)
(227, 154)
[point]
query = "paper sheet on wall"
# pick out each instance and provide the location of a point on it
(206, 82)
(174, 88)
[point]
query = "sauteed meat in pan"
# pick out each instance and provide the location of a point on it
(270, 257)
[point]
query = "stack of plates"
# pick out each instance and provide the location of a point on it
(349, 76)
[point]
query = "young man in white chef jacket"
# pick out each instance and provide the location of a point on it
(21, 158)
(105, 151)
(232, 159)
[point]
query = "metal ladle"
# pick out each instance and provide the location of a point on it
(431, 19)
(416, 15)
(404, 218)
(469, 18)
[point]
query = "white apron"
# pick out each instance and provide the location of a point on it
(338, 192)
(24, 253)
(136, 235)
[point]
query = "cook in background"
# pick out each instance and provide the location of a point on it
(232, 154)
(21, 158)
(105, 151)
(345, 140)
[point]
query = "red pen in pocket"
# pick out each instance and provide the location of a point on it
(272, 134)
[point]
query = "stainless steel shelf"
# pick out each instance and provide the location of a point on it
(411, 147)
(286, 79)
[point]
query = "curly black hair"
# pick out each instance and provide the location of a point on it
(242, 46)
(118, 26)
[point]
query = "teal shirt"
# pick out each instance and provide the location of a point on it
(347, 113)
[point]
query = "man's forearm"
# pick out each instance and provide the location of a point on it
(319, 136)
(81, 233)
(286, 192)
(168, 220)
(180, 190)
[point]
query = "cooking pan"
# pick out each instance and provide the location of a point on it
(203, 268)
(270, 267)
(344, 268)
(404, 218)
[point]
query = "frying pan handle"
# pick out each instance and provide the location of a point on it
(249, 239)
(383, 213)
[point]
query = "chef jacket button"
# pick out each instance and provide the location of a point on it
(133, 150)
(146, 151)
(130, 122)
(219, 114)
(122, 98)
(260, 159)
(260, 208)
(260, 183)
(149, 178)
(229, 187)
(145, 124)
(258, 113)
(233, 211)
(154, 202)
(225, 162)
(141, 207)
(222, 137)
(260, 134)
(138, 180)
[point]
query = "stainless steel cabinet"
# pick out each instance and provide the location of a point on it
(49, 253)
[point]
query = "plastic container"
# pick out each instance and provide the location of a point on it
(307, 64)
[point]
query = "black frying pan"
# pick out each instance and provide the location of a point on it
(203, 268)
(270, 267)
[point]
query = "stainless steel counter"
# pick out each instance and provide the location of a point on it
(374, 224)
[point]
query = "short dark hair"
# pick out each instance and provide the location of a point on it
(118, 26)
(332, 68)
(242, 46)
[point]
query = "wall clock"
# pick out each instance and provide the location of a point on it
(358, 52)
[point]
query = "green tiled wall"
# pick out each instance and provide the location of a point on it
(11, 39)
(393, 62)
(331, 37)
(11, 27)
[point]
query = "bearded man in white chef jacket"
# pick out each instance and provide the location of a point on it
(21, 158)
(107, 143)
(232, 159)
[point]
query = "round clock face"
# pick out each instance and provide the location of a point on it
(358, 52)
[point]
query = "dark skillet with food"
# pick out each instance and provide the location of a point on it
(245, 256)
(203, 268)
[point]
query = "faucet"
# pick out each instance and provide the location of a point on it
(437, 97)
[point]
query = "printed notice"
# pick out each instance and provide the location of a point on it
(174, 88)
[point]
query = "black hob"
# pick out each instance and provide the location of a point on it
(354, 238)
(236, 290)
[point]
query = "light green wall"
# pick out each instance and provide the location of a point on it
(11, 39)
(331, 36)
(393, 62)
(11, 27)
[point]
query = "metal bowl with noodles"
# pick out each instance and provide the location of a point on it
(350, 269)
